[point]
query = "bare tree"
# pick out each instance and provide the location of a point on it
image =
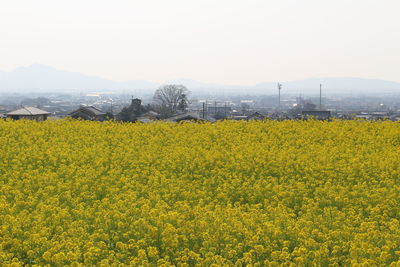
(170, 97)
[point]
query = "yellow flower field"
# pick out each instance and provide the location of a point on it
(297, 193)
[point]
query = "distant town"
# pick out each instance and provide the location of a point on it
(177, 103)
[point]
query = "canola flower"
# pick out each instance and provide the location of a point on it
(268, 193)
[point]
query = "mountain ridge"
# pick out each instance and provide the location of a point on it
(43, 78)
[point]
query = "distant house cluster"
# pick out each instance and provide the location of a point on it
(189, 116)
(137, 113)
(317, 114)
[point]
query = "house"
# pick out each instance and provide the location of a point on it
(132, 112)
(317, 114)
(364, 115)
(2, 112)
(148, 117)
(238, 117)
(395, 118)
(378, 115)
(88, 113)
(28, 113)
(256, 116)
(188, 116)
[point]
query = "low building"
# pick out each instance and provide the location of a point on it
(3, 113)
(380, 115)
(147, 117)
(132, 112)
(316, 114)
(189, 116)
(88, 113)
(364, 115)
(212, 110)
(28, 113)
(238, 117)
(256, 116)
(377, 115)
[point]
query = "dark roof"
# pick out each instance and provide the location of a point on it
(319, 112)
(239, 117)
(90, 109)
(96, 111)
(316, 113)
(185, 116)
(256, 115)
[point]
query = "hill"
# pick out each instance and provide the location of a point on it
(42, 78)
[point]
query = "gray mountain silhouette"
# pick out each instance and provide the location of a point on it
(42, 78)
(337, 85)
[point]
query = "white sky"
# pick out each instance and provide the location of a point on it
(218, 41)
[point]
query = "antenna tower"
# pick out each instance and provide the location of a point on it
(320, 96)
(279, 95)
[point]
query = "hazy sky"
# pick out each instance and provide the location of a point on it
(217, 41)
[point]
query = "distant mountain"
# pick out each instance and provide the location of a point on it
(42, 78)
(345, 85)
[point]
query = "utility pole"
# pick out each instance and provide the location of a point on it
(204, 110)
(279, 95)
(111, 108)
(225, 110)
(320, 96)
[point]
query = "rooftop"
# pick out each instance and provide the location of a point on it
(28, 111)
(185, 116)
(96, 111)
(91, 109)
